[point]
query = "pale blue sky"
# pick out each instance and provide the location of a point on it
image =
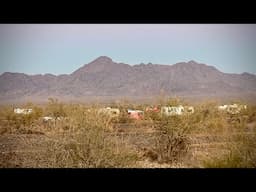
(63, 48)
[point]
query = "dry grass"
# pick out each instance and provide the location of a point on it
(83, 138)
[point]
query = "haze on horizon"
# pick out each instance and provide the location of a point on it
(63, 48)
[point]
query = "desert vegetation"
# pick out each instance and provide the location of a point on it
(79, 136)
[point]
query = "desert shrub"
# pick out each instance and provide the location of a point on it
(37, 112)
(85, 138)
(171, 142)
(89, 145)
(8, 114)
(123, 117)
(31, 118)
(55, 108)
(20, 123)
(92, 152)
(170, 148)
(207, 120)
(151, 115)
(242, 154)
(250, 114)
(174, 101)
(231, 160)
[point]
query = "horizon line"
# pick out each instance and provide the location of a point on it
(132, 65)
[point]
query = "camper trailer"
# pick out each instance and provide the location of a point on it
(22, 111)
(232, 109)
(135, 114)
(169, 111)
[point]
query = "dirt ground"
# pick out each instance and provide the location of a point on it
(30, 150)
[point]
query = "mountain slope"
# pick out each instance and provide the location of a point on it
(104, 77)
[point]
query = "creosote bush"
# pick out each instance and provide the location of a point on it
(81, 137)
(89, 145)
(171, 141)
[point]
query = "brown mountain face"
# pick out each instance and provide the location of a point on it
(104, 77)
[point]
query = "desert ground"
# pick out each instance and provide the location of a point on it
(77, 136)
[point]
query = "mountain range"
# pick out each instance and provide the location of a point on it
(105, 78)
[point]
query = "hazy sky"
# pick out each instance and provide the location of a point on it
(63, 48)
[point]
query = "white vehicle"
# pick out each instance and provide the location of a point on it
(22, 111)
(232, 109)
(48, 118)
(169, 111)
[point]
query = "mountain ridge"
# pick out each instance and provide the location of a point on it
(104, 77)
